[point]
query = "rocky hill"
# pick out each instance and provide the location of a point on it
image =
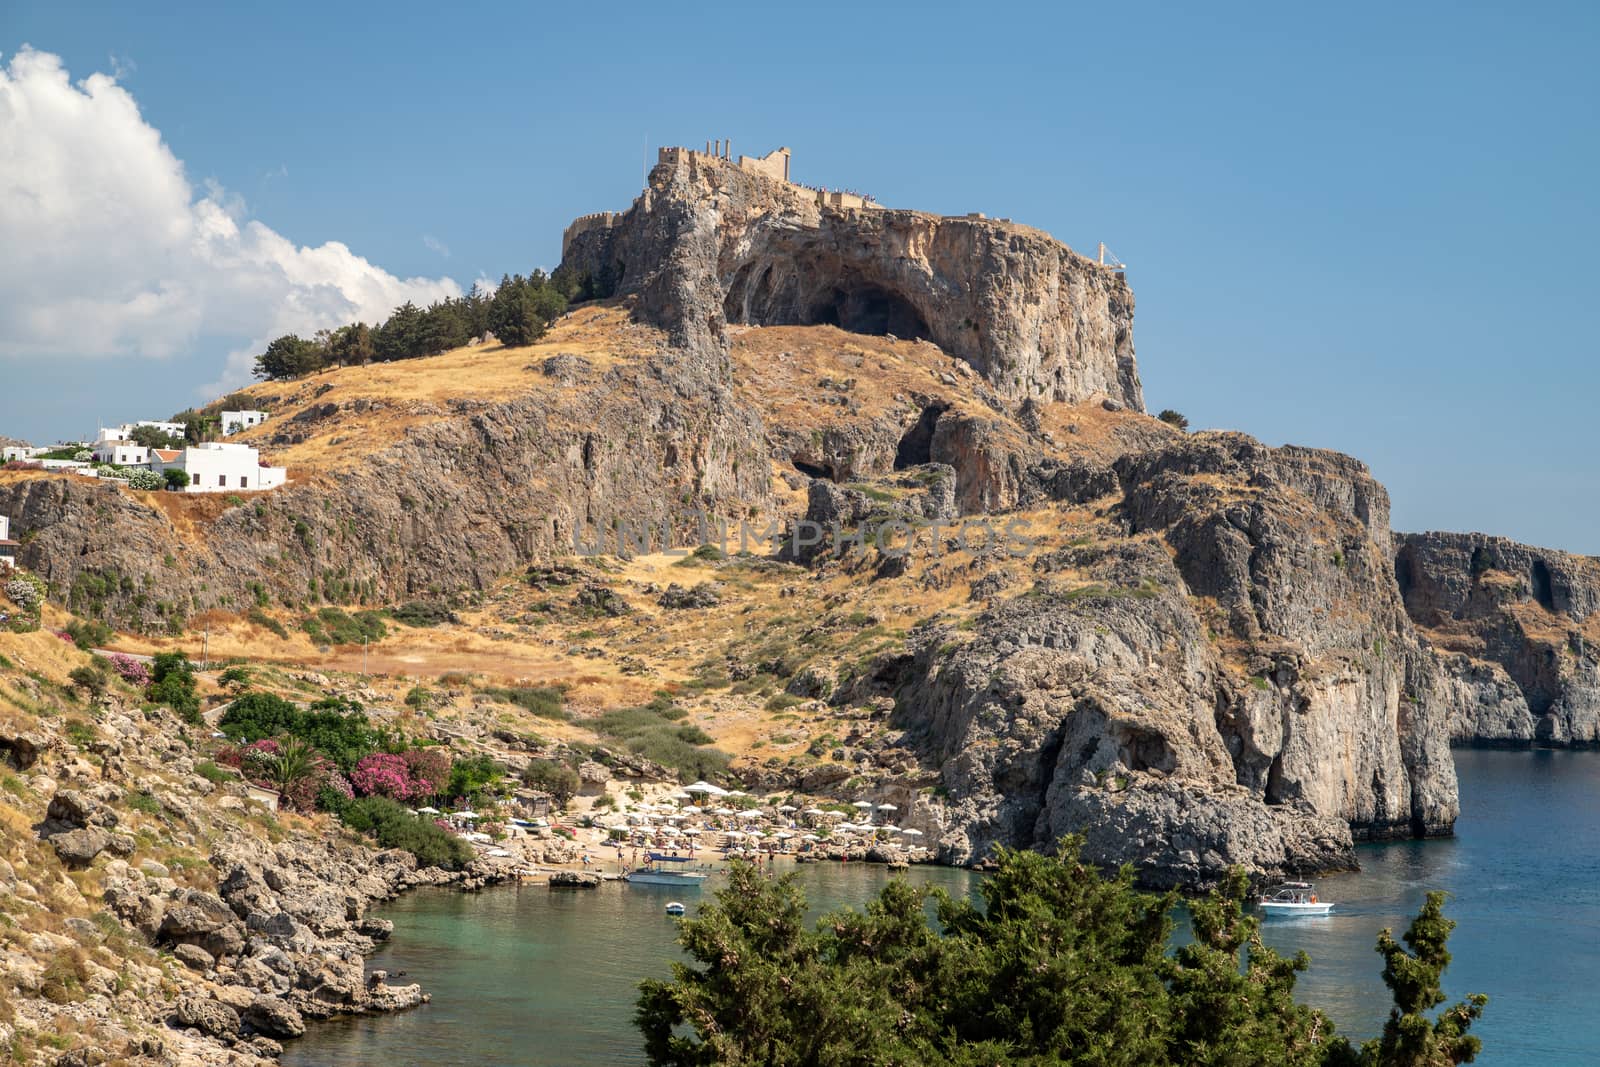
(709, 244)
(1195, 651)
(153, 912)
(1519, 630)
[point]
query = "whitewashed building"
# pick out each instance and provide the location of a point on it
(11, 452)
(125, 431)
(121, 453)
(8, 547)
(215, 467)
(234, 421)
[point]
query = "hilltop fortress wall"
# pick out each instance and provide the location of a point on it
(715, 240)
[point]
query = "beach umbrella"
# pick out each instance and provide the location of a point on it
(810, 837)
(755, 833)
(700, 787)
(464, 815)
(887, 807)
(733, 833)
(813, 811)
(722, 811)
(912, 832)
(427, 811)
(862, 804)
(693, 831)
(783, 834)
(787, 808)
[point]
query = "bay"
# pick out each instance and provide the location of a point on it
(534, 976)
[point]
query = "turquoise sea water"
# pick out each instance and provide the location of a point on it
(540, 977)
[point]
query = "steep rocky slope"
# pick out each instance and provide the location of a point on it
(1519, 628)
(1200, 658)
(153, 914)
(1231, 680)
(709, 244)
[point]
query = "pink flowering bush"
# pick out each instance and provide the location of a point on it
(341, 785)
(429, 768)
(130, 670)
(383, 774)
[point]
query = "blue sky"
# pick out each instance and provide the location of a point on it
(1364, 227)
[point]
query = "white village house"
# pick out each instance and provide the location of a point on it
(234, 421)
(118, 451)
(8, 547)
(215, 467)
(24, 452)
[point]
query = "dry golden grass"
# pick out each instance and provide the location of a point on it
(413, 392)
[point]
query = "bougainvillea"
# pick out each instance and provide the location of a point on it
(341, 785)
(383, 774)
(430, 769)
(130, 669)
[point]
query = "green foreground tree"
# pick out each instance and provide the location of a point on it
(1059, 966)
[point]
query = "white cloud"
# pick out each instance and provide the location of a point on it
(433, 244)
(108, 250)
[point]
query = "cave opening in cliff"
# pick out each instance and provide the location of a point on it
(814, 470)
(1540, 580)
(916, 446)
(862, 307)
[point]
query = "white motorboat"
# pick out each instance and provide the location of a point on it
(659, 870)
(675, 908)
(1293, 898)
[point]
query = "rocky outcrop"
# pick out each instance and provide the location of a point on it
(1520, 629)
(1233, 682)
(455, 503)
(708, 244)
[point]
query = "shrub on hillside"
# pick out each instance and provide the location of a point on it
(25, 590)
(333, 626)
(172, 683)
(557, 779)
(424, 613)
(392, 826)
(340, 730)
(653, 732)
(130, 670)
(545, 701)
(88, 633)
(145, 479)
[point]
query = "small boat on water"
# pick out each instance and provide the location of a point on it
(675, 908)
(1293, 898)
(661, 870)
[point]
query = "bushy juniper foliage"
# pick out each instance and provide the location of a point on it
(1059, 965)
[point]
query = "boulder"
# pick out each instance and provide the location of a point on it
(194, 957)
(274, 1017)
(208, 1016)
(575, 880)
(78, 848)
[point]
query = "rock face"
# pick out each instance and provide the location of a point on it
(453, 504)
(709, 244)
(1232, 681)
(1520, 629)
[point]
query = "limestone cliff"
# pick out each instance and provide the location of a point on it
(1520, 630)
(1232, 680)
(709, 244)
